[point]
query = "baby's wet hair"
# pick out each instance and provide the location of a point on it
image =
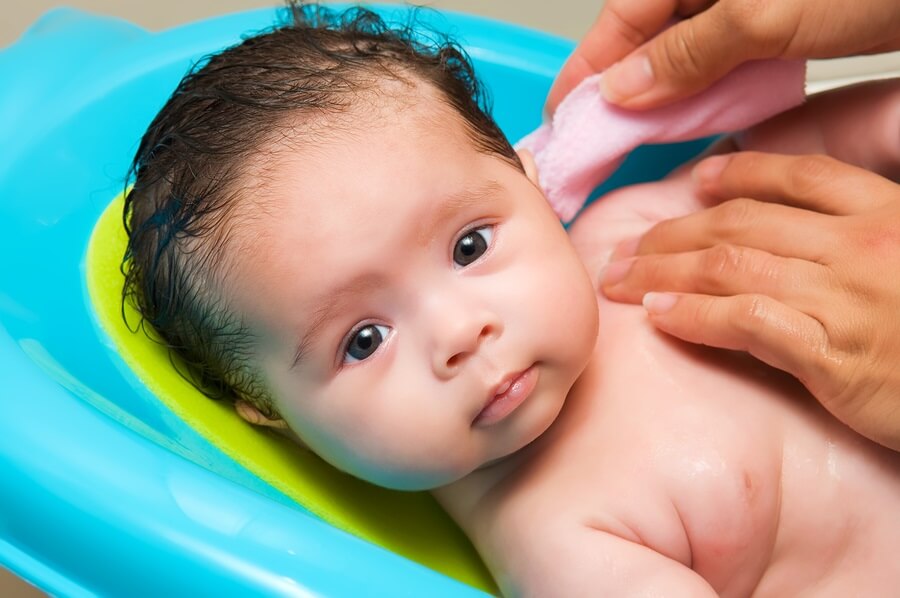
(190, 172)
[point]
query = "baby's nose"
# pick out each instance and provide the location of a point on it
(459, 339)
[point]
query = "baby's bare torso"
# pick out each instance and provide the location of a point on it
(714, 461)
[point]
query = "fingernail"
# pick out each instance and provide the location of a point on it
(626, 249)
(616, 271)
(709, 169)
(626, 79)
(659, 303)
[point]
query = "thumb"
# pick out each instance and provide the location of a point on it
(679, 62)
(622, 26)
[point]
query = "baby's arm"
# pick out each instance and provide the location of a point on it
(588, 562)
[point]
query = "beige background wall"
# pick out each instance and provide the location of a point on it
(571, 22)
(158, 14)
(569, 18)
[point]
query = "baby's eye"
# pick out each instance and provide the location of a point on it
(364, 342)
(471, 246)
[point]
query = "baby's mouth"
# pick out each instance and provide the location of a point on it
(506, 396)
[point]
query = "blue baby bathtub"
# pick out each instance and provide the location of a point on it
(102, 489)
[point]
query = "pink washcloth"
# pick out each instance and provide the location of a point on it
(588, 138)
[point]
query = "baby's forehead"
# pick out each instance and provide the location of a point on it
(333, 150)
(353, 166)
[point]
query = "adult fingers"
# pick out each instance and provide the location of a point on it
(770, 227)
(622, 26)
(815, 182)
(684, 59)
(720, 270)
(771, 331)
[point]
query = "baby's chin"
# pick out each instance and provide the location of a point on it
(405, 468)
(413, 481)
(536, 420)
(435, 475)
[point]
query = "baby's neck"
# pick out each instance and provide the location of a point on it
(473, 500)
(462, 498)
(470, 500)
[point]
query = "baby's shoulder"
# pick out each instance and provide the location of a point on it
(627, 213)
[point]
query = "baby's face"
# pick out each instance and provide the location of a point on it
(397, 280)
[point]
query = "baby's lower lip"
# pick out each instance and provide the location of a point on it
(507, 402)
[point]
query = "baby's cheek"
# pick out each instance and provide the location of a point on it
(406, 434)
(583, 316)
(568, 309)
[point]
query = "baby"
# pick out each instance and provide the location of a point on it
(328, 227)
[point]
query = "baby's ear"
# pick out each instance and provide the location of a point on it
(252, 415)
(531, 169)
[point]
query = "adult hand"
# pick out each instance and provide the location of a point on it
(805, 276)
(717, 36)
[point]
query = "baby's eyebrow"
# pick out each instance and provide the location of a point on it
(332, 303)
(453, 203)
